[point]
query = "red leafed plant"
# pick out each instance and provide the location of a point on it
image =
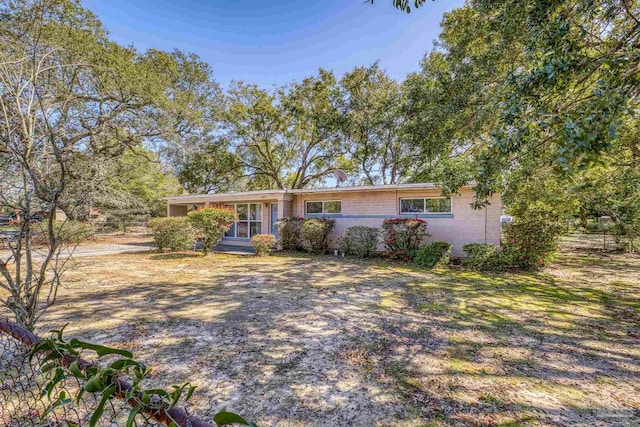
(403, 236)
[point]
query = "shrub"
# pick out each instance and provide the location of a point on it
(315, 234)
(478, 254)
(532, 238)
(502, 259)
(289, 233)
(263, 243)
(403, 236)
(173, 233)
(530, 242)
(210, 224)
(434, 254)
(360, 241)
(67, 232)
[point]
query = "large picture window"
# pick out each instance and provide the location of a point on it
(249, 220)
(324, 207)
(425, 205)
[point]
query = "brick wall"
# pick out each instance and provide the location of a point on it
(465, 225)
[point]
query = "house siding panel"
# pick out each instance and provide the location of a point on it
(370, 207)
(464, 225)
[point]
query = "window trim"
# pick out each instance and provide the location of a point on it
(306, 202)
(424, 204)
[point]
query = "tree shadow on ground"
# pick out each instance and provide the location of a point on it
(175, 255)
(309, 340)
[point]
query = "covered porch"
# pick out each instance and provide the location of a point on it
(257, 212)
(232, 249)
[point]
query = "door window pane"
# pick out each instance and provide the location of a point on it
(255, 212)
(232, 231)
(412, 205)
(242, 212)
(314, 207)
(243, 229)
(256, 228)
(273, 218)
(332, 207)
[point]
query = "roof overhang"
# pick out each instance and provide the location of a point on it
(389, 187)
(265, 195)
(245, 196)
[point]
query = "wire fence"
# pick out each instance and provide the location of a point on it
(110, 226)
(32, 395)
(601, 241)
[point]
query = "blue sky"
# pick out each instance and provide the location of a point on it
(273, 42)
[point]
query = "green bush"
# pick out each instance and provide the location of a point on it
(263, 243)
(360, 241)
(403, 236)
(531, 239)
(478, 254)
(315, 234)
(210, 224)
(173, 233)
(290, 233)
(530, 242)
(434, 254)
(502, 259)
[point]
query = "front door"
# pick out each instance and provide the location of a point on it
(273, 217)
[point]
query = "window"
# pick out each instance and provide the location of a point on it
(438, 205)
(333, 207)
(426, 205)
(249, 220)
(411, 205)
(314, 207)
(324, 207)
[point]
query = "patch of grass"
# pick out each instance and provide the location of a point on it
(463, 350)
(433, 307)
(490, 399)
(391, 300)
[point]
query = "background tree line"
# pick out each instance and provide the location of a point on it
(537, 100)
(296, 135)
(534, 99)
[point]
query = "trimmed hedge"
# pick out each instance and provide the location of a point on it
(315, 234)
(173, 233)
(432, 255)
(360, 241)
(263, 243)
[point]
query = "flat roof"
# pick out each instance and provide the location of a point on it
(385, 187)
(261, 194)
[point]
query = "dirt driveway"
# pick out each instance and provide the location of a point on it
(298, 341)
(97, 246)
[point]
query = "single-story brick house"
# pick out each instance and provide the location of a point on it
(451, 219)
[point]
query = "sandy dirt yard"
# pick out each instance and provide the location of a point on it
(295, 340)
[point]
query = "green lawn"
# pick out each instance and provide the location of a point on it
(295, 340)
